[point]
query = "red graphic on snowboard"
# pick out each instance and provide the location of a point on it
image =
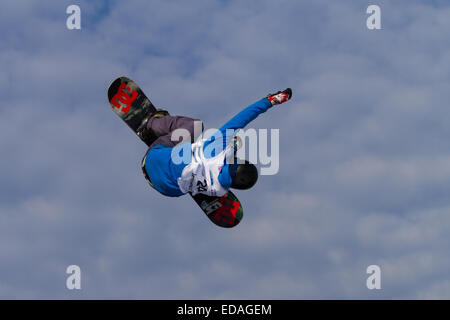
(124, 97)
(226, 214)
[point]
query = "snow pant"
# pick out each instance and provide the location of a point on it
(164, 127)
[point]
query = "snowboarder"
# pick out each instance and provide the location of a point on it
(211, 173)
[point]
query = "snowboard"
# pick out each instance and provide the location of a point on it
(130, 103)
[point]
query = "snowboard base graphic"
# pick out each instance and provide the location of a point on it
(130, 103)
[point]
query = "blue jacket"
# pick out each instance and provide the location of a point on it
(164, 173)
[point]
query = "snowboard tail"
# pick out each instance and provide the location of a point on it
(130, 103)
(225, 211)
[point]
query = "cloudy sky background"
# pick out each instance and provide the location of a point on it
(364, 151)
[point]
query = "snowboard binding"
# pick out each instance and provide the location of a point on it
(147, 134)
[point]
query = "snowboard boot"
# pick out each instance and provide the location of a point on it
(146, 134)
(280, 96)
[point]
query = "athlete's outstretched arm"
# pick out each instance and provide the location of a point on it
(239, 121)
(249, 114)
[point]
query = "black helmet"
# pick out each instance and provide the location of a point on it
(244, 175)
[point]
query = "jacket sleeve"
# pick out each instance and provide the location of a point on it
(239, 121)
(247, 115)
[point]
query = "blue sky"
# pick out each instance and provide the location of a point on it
(364, 153)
